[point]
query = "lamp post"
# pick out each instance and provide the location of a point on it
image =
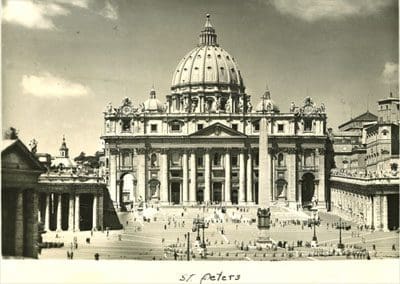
(340, 245)
(314, 241)
(198, 224)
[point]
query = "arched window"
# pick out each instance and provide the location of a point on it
(126, 125)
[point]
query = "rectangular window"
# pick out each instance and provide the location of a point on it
(176, 127)
(234, 126)
(235, 174)
(176, 159)
(234, 160)
(280, 128)
(199, 175)
(308, 125)
(199, 126)
(256, 126)
(200, 162)
(154, 128)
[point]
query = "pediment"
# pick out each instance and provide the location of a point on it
(17, 156)
(217, 130)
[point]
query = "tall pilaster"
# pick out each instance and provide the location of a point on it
(71, 213)
(164, 177)
(59, 217)
(94, 215)
(77, 216)
(242, 178)
(47, 213)
(228, 182)
(249, 180)
(193, 177)
(185, 178)
(207, 176)
(19, 224)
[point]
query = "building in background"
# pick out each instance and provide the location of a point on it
(367, 190)
(202, 144)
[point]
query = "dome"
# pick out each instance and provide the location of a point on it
(152, 104)
(208, 67)
(267, 104)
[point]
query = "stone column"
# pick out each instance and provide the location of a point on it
(164, 177)
(76, 225)
(113, 177)
(100, 210)
(384, 213)
(47, 213)
(59, 217)
(193, 177)
(94, 222)
(71, 213)
(249, 184)
(242, 178)
(185, 178)
(291, 177)
(207, 176)
(228, 183)
(19, 224)
(299, 186)
(141, 173)
(321, 176)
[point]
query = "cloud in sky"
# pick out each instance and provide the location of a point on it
(109, 11)
(39, 14)
(51, 86)
(313, 10)
(390, 73)
(33, 15)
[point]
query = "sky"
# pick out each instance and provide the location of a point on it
(63, 61)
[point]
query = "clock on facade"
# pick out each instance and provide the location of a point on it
(126, 109)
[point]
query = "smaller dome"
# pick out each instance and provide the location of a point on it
(267, 104)
(152, 104)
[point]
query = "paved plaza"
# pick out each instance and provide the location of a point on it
(163, 237)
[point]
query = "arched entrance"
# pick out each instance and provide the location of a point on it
(307, 189)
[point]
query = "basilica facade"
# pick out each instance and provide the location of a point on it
(202, 144)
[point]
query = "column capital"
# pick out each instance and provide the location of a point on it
(141, 151)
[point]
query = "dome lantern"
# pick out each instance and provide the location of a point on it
(208, 35)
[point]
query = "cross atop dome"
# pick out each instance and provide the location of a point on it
(208, 35)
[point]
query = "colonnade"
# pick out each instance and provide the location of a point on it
(370, 210)
(53, 206)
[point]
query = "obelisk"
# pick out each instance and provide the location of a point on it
(264, 194)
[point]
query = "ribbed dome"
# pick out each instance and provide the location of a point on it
(207, 67)
(152, 104)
